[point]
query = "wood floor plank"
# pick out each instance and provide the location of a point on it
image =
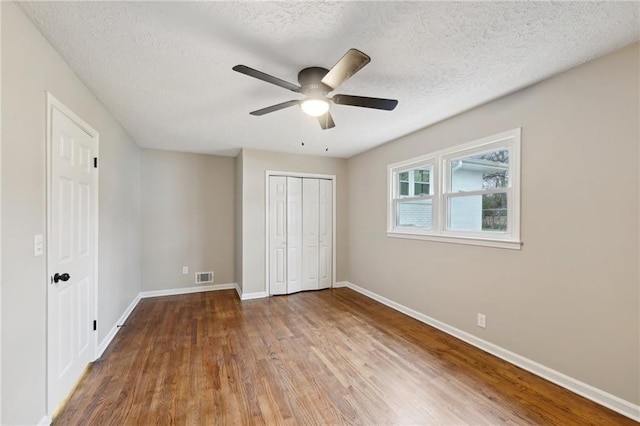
(325, 357)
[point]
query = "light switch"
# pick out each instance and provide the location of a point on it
(38, 245)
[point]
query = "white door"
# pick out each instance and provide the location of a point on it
(71, 255)
(310, 193)
(278, 235)
(300, 232)
(294, 234)
(325, 233)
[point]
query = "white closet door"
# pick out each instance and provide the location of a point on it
(310, 210)
(294, 234)
(325, 233)
(278, 234)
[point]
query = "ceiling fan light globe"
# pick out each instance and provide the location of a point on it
(315, 107)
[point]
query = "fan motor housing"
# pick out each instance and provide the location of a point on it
(310, 81)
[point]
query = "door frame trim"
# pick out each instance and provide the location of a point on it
(333, 179)
(51, 104)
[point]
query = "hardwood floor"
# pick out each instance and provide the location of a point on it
(326, 357)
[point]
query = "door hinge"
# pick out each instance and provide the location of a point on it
(95, 162)
(95, 325)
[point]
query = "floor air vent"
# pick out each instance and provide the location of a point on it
(204, 277)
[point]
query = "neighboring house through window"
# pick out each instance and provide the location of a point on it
(468, 194)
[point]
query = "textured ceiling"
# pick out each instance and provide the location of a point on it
(164, 68)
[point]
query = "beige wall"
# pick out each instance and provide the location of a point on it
(255, 165)
(188, 204)
(570, 298)
(30, 67)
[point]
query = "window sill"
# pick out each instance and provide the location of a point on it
(485, 242)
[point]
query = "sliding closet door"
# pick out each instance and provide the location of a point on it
(294, 234)
(278, 235)
(310, 193)
(325, 233)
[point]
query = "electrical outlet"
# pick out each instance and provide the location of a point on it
(185, 270)
(482, 320)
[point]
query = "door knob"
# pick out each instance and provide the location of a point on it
(61, 277)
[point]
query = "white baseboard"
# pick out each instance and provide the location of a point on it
(599, 396)
(186, 290)
(340, 284)
(114, 330)
(45, 421)
(250, 296)
(239, 291)
(256, 295)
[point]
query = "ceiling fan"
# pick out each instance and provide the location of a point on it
(316, 83)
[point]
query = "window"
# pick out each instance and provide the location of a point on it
(478, 192)
(414, 205)
(467, 194)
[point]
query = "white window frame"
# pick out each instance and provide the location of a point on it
(440, 179)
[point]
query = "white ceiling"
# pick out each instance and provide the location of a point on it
(164, 68)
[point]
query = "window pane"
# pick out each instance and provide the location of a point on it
(421, 175)
(415, 214)
(478, 213)
(494, 212)
(414, 182)
(481, 171)
(421, 189)
(404, 188)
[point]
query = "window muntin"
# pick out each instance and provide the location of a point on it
(476, 201)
